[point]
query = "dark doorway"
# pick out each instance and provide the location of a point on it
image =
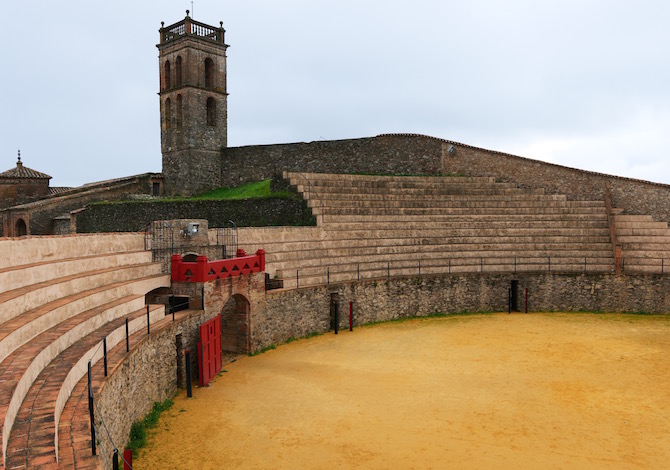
(235, 318)
(20, 228)
(334, 301)
(514, 297)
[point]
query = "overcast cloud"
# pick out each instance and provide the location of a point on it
(579, 83)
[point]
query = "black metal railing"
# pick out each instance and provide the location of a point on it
(383, 270)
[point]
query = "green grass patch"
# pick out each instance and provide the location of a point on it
(139, 429)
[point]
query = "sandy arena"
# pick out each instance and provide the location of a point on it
(478, 391)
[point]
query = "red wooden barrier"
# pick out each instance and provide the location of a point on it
(203, 269)
(209, 349)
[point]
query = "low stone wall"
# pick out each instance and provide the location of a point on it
(150, 372)
(136, 215)
(296, 313)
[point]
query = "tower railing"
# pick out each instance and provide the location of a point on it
(190, 27)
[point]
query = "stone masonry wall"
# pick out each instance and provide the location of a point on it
(297, 313)
(417, 154)
(149, 374)
(136, 215)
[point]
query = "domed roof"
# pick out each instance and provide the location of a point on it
(23, 172)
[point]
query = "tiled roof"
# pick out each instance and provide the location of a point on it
(58, 189)
(23, 172)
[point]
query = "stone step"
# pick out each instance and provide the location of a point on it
(20, 368)
(381, 178)
(641, 225)
(24, 299)
(435, 204)
(377, 242)
(316, 192)
(26, 250)
(33, 441)
(469, 211)
(332, 229)
(649, 254)
(465, 217)
(74, 432)
(647, 232)
(291, 264)
(413, 265)
(382, 274)
(25, 275)
(437, 196)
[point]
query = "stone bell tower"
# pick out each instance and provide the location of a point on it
(193, 104)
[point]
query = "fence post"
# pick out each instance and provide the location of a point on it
(90, 410)
(515, 264)
(115, 460)
(419, 267)
(189, 390)
(388, 270)
(203, 296)
(104, 353)
(351, 316)
(584, 263)
(358, 269)
(509, 300)
(328, 275)
(127, 337)
(128, 459)
(481, 265)
(549, 265)
(297, 278)
(449, 265)
(148, 322)
(662, 265)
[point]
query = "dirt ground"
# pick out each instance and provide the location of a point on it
(479, 391)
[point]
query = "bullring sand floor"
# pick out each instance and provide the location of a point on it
(476, 391)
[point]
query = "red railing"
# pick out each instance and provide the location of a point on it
(203, 269)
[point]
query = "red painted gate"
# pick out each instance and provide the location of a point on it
(209, 349)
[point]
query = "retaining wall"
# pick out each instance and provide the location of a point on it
(422, 155)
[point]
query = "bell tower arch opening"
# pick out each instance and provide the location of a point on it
(193, 81)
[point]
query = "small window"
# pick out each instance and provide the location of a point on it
(156, 189)
(211, 112)
(178, 79)
(209, 73)
(179, 111)
(168, 113)
(166, 75)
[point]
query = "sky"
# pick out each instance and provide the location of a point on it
(578, 83)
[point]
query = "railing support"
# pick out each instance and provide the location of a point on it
(91, 415)
(104, 353)
(189, 389)
(115, 460)
(351, 316)
(127, 337)
(337, 318)
(148, 322)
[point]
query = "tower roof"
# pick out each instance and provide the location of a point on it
(189, 27)
(23, 172)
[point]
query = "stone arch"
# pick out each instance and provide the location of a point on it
(20, 228)
(179, 111)
(235, 325)
(190, 257)
(178, 72)
(209, 73)
(211, 112)
(166, 75)
(168, 113)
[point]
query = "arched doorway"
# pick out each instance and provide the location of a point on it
(20, 228)
(235, 336)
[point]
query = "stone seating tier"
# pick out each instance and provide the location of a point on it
(449, 223)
